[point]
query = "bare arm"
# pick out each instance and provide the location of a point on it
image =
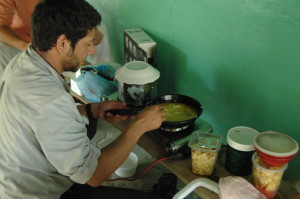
(116, 153)
(10, 38)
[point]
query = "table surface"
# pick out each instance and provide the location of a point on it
(153, 143)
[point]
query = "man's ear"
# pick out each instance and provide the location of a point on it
(63, 45)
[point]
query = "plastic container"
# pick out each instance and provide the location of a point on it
(240, 150)
(275, 149)
(204, 150)
(266, 178)
(128, 168)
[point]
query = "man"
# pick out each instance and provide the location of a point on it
(44, 146)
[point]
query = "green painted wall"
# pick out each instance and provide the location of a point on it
(239, 58)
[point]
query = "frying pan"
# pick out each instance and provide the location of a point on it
(175, 98)
(193, 103)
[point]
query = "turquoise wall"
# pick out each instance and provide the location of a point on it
(239, 58)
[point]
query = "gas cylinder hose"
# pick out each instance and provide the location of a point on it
(177, 156)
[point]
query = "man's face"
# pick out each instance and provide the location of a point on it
(77, 57)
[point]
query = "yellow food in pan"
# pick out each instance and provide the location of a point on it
(177, 112)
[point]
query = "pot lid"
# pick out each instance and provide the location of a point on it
(137, 72)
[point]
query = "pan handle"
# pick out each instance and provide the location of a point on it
(122, 112)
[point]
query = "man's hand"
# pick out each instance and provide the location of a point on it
(148, 119)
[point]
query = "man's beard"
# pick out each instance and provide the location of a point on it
(71, 63)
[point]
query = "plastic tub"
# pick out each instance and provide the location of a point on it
(266, 178)
(240, 150)
(275, 149)
(204, 149)
(128, 168)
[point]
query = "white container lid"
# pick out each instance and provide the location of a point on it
(276, 144)
(241, 138)
(137, 72)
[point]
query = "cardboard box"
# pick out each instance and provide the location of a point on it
(138, 46)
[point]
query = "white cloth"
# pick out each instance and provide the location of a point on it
(44, 146)
(234, 187)
(6, 54)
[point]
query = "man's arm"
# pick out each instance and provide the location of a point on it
(10, 38)
(113, 155)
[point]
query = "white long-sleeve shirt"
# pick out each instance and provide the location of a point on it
(44, 146)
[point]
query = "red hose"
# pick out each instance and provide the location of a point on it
(140, 175)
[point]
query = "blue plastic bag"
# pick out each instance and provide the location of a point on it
(93, 86)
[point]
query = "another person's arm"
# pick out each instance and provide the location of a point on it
(10, 38)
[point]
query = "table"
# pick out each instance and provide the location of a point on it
(153, 143)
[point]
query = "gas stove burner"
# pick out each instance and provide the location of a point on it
(172, 129)
(173, 134)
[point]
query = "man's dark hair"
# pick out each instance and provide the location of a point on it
(52, 18)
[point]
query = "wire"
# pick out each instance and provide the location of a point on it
(140, 175)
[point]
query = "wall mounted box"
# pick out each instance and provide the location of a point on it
(138, 46)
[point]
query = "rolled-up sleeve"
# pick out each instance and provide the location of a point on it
(61, 132)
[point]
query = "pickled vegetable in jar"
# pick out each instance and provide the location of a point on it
(266, 178)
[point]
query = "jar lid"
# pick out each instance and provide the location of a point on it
(204, 141)
(276, 144)
(258, 162)
(137, 72)
(241, 138)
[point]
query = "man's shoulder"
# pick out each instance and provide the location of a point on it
(35, 89)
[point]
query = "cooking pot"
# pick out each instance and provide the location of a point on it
(193, 103)
(136, 83)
